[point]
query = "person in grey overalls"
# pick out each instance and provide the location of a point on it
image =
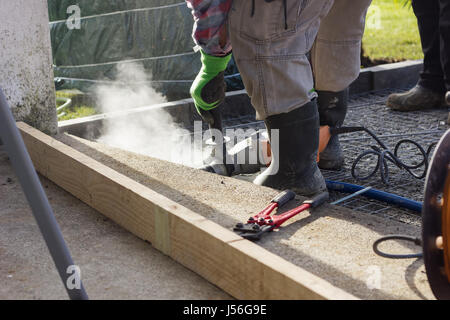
(297, 59)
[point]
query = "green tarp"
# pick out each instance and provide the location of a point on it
(153, 33)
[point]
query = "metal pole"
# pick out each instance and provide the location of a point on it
(37, 199)
(353, 195)
(375, 194)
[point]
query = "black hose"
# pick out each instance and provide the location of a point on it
(385, 156)
(416, 241)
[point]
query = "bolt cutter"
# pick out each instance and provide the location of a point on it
(264, 222)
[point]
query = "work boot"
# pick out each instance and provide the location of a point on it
(418, 98)
(332, 112)
(294, 163)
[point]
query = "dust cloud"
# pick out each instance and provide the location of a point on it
(154, 133)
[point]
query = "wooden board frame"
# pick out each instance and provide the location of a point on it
(237, 266)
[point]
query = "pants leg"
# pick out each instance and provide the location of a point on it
(270, 46)
(336, 55)
(444, 32)
(427, 13)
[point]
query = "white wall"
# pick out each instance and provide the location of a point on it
(26, 74)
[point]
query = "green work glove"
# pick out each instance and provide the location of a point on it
(208, 89)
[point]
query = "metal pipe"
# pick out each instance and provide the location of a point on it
(353, 195)
(376, 194)
(37, 199)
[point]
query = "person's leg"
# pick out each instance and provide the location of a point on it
(336, 60)
(427, 13)
(271, 54)
(336, 53)
(270, 43)
(429, 91)
(444, 32)
(447, 100)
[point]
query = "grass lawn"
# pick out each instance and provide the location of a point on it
(391, 32)
(78, 112)
(73, 111)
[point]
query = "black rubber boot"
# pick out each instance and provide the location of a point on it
(418, 98)
(294, 163)
(332, 112)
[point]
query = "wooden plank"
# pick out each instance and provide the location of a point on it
(239, 267)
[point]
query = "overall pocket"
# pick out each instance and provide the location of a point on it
(262, 21)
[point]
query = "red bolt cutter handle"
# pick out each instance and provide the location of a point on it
(263, 222)
(278, 220)
(277, 202)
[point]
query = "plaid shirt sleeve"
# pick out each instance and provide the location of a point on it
(210, 32)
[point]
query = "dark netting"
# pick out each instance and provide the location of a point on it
(153, 33)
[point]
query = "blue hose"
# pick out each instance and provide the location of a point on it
(376, 194)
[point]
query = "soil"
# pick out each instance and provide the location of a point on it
(367, 62)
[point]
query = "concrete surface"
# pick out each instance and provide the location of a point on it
(26, 71)
(334, 243)
(403, 74)
(114, 263)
